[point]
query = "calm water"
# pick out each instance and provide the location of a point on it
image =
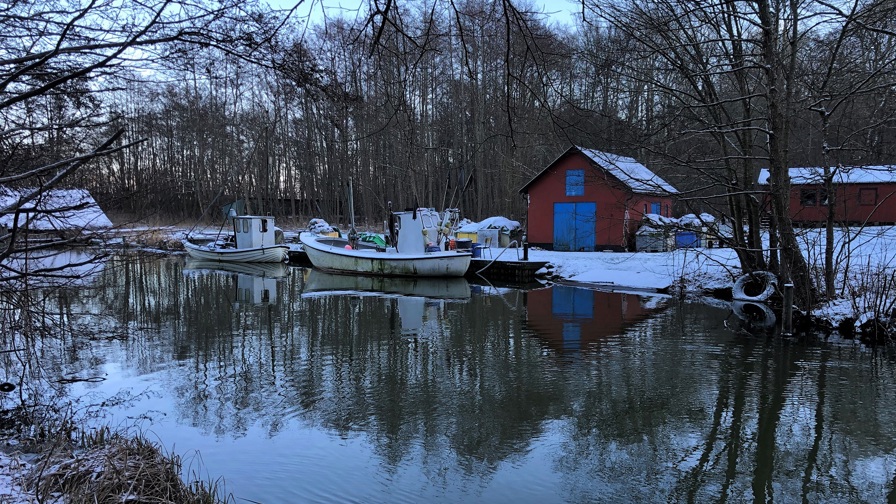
(315, 388)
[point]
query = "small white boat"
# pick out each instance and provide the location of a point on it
(254, 240)
(415, 235)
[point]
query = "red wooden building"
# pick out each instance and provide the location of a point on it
(862, 195)
(588, 200)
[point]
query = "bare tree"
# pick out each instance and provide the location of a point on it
(61, 65)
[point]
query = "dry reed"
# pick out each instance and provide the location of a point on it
(116, 469)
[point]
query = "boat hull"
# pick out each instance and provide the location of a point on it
(330, 254)
(267, 254)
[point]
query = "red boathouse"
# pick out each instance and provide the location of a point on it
(588, 200)
(862, 195)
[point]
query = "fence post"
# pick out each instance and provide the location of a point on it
(787, 316)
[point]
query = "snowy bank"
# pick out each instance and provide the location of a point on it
(862, 257)
(697, 269)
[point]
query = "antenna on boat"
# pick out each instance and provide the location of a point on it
(352, 234)
(447, 185)
(393, 239)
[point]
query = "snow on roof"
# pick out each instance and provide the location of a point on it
(630, 172)
(842, 175)
(652, 220)
(67, 209)
(693, 220)
(490, 223)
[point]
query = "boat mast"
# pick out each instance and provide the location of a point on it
(232, 215)
(352, 234)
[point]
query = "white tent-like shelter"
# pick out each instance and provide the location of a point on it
(57, 211)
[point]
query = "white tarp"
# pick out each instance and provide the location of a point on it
(57, 209)
(501, 223)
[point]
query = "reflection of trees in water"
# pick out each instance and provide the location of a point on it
(468, 380)
(755, 422)
(469, 387)
(57, 330)
(758, 418)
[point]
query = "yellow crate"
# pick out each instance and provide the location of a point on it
(470, 236)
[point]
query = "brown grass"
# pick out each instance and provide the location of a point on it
(118, 469)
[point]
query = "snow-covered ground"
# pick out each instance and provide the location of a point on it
(697, 268)
(12, 470)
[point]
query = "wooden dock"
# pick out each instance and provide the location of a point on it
(298, 257)
(505, 271)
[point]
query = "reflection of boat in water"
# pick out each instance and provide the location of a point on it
(419, 303)
(264, 270)
(255, 283)
(436, 288)
(319, 281)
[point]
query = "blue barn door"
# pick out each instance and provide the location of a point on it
(574, 225)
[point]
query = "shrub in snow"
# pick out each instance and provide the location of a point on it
(873, 295)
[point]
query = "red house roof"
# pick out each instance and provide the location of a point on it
(631, 173)
(842, 175)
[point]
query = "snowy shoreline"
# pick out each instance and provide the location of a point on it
(861, 256)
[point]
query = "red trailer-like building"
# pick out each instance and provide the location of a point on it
(588, 200)
(862, 195)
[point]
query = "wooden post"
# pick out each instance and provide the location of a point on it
(787, 316)
(525, 249)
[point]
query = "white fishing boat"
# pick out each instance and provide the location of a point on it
(416, 251)
(254, 239)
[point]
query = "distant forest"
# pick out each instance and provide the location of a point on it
(460, 103)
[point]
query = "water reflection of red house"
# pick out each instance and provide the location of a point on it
(570, 318)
